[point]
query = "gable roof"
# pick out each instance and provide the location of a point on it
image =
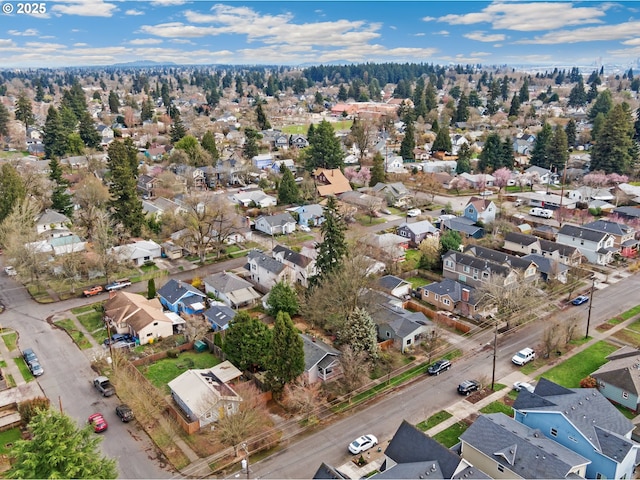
(334, 181)
(521, 449)
(280, 251)
(520, 238)
(201, 389)
(547, 265)
(461, 224)
(134, 309)
(315, 351)
(479, 263)
(453, 289)
(226, 282)
(418, 228)
(480, 204)
(614, 228)
(521, 263)
(277, 220)
(401, 321)
(51, 216)
(270, 264)
(581, 232)
(622, 370)
(221, 315)
(174, 290)
(391, 282)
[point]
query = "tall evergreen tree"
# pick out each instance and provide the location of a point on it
(60, 199)
(288, 191)
(570, 131)
(540, 152)
(209, 144)
(114, 102)
(523, 95)
(178, 130)
(247, 342)
(146, 113)
(430, 97)
(55, 136)
(603, 104)
(4, 122)
(492, 153)
(333, 248)
(342, 93)
(558, 149)
(377, 170)
(359, 332)
(88, 132)
(514, 109)
(442, 143)
(577, 95)
(125, 204)
(261, 117)
(324, 150)
(59, 449)
(419, 101)
(408, 143)
(462, 110)
(463, 164)
(250, 147)
(504, 88)
(286, 360)
(614, 150)
(24, 111)
(12, 189)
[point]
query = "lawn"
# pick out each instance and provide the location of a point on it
(24, 370)
(450, 436)
(571, 371)
(434, 420)
(76, 335)
(163, 371)
(7, 438)
(366, 220)
(91, 321)
(630, 313)
(418, 282)
(84, 309)
(412, 257)
(497, 407)
(10, 340)
(628, 336)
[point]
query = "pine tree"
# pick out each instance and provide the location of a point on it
(540, 152)
(463, 164)
(247, 342)
(151, 289)
(114, 102)
(523, 95)
(286, 359)
(430, 97)
(324, 150)
(614, 150)
(377, 170)
(559, 149)
(60, 199)
(263, 121)
(4, 122)
(209, 144)
(462, 111)
(514, 109)
(442, 143)
(408, 143)
(333, 248)
(491, 157)
(577, 95)
(24, 111)
(359, 332)
(55, 137)
(178, 129)
(59, 449)
(88, 132)
(125, 204)
(603, 104)
(571, 133)
(146, 112)
(342, 93)
(250, 147)
(288, 191)
(12, 189)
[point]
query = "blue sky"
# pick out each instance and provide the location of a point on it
(103, 32)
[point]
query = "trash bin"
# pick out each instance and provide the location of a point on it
(200, 346)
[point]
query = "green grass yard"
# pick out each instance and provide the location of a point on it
(24, 369)
(571, 371)
(163, 371)
(8, 438)
(433, 420)
(10, 340)
(76, 335)
(497, 407)
(450, 436)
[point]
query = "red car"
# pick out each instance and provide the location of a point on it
(98, 422)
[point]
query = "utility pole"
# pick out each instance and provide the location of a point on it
(495, 349)
(593, 283)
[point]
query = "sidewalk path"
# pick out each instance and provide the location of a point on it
(8, 357)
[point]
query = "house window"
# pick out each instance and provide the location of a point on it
(446, 301)
(149, 334)
(599, 475)
(625, 395)
(436, 297)
(449, 263)
(466, 269)
(408, 341)
(388, 334)
(554, 432)
(500, 468)
(425, 294)
(253, 266)
(485, 275)
(155, 324)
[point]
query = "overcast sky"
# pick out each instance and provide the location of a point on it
(101, 32)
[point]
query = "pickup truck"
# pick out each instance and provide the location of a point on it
(118, 284)
(103, 385)
(90, 292)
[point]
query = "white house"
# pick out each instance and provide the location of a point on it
(248, 197)
(52, 220)
(138, 252)
(279, 224)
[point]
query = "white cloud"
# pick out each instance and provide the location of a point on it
(6, 43)
(80, 44)
(134, 12)
(529, 17)
(484, 37)
(29, 32)
(84, 8)
(178, 29)
(628, 30)
(168, 3)
(145, 41)
(428, 19)
(421, 34)
(182, 41)
(444, 33)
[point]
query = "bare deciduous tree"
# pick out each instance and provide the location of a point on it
(302, 397)
(509, 298)
(355, 368)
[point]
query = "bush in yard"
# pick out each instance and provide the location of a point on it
(151, 289)
(172, 353)
(29, 408)
(588, 382)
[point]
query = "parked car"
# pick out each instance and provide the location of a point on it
(98, 422)
(518, 386)
(304, 228)
(29, 355)
(124, 412)
(524, 356)
(439, 367)
(118, 337)
(9, 270)
(580, 300)
(36, 369)
(362, 444)
(118, 284)
(95, 290)
(414, 212)
(486, 193)
(468, 387)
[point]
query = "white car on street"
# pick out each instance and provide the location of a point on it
(362, 444)
(414, 212)
(10, 271)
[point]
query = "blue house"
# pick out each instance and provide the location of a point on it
(178, 296)
(480, 210)
(310, 215)
(219, 316)
(584, 421)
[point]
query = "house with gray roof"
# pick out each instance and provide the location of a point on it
(624, 236)
(405, 328)
(232, 290)
(584, 421)
(464, 226)
(303, 267)
(52, 220)
(416, 232)
(480, 210)
(395, 286)
(548, 268)
(504, 448)
(178, 296)
(597, 247)
(527, 269)
(278, 224)
(525, 244)
(473, 271)
(309, 215)
(265, 271)
(219, 316)
(619, 378)
(395, 194)
(257, 197)
(321, 361)
(451, 295)
(412, 454)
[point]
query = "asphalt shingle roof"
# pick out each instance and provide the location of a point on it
(270, 264)
(581, 232)
(174, 290)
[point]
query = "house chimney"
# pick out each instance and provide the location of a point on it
(465, 295)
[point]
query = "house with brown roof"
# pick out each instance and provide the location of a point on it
(330, 182)
(132, 313)
(480, 210)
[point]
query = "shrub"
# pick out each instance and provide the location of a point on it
(588, 382)
(29, 408)
(173, 353)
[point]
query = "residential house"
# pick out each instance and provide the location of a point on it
(280, 141)
(156, 152)
(524, 144)
(413, 454)
(386, 246)
(298, 141)
(524, 244)
(203, 396)
(232, 290)
(416, 232)
(405, 328)
(597, 247)
(363, 202)
(257, 197)
(619, 378)
(321, 361)
(451, 295)
(628, 213)
(106, 134)
(394, 286)
(266, 271)
(278, 224)
(545, 176)
(138, 252)
(521, 243)
(548, 268)
(586, 194)
(624, 236)
(178, 296)
(303, 267)
(132, 313)
(262, 161)
(171, 251)
(526, 269)
(64, 244)
(464, 226)
(330, 182)
(278, 165)
(584, 421)
(394, 164)
(504, 449)
(310, 215)
(219, 315)
(52, 220)
(479, 181)
(395, 194)
(480, 210)
(474, 271)
(146, 186)
(229, 171)
(457, 141)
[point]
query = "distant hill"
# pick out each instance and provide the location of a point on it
(142, 63)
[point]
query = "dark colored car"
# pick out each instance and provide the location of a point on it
(580, 300)
(119, 337)
(29, 356)
(438, 367)
(468, 387)
(124, 412)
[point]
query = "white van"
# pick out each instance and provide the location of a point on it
(541, 212)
